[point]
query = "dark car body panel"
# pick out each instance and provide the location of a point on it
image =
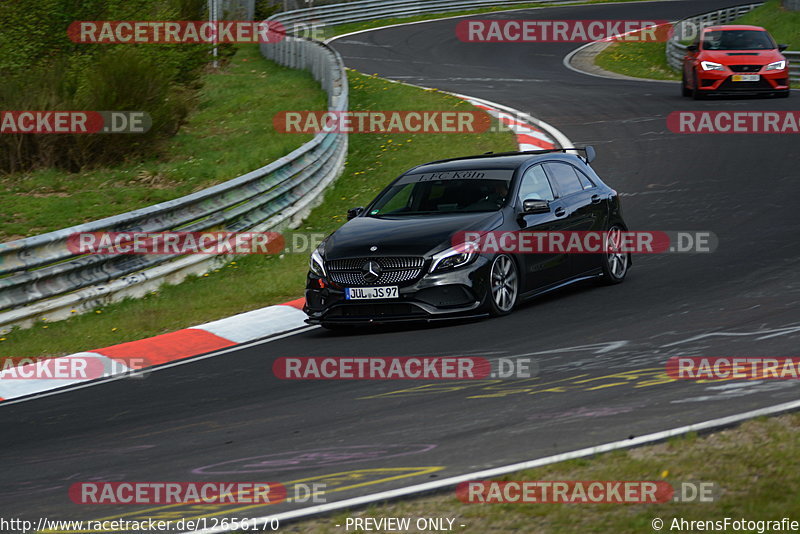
(460, 292)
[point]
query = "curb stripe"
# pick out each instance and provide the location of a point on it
(529, 137)
(524, 139)
(297, 303)
(178, 345)
(168, 347)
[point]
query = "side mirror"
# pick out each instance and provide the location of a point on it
(782, 47)
(590, 154)
(535, 205)
(691, 48)
(354, 212)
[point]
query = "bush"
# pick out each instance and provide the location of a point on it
(41, 69)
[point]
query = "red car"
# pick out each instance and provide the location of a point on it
(735, 59)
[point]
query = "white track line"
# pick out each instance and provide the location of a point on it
(511, 468)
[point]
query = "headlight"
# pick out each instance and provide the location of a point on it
(710, 65)
(316, 264)
(454, 257)
(777, 65)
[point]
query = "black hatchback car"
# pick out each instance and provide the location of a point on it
(397, 260)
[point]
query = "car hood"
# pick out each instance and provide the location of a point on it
(404, 236)
(741, 57)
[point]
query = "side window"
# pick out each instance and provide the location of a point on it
(586, 182)
(535, 185)
(565, 177)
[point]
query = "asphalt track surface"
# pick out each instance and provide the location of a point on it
(600, 350)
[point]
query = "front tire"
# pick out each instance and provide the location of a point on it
(502, 290)
(615, 262)
(697, 94)
(685, 91)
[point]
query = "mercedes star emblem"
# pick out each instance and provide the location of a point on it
(371, 271)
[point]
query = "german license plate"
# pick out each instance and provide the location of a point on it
(746, 77)
(367, 293)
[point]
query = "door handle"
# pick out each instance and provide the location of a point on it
(560, 212)
(595, 199)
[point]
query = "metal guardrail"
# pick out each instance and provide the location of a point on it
(362, 10)
(687, 28)
(41, 277)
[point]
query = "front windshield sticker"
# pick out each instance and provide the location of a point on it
(483, 174)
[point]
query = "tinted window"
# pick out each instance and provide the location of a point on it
(565, 178)
(586, 182)
(461, 191)
(535, 185)
(737, 40)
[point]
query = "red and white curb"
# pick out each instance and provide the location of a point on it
(529, 137)
(125, 358)
(532, 133)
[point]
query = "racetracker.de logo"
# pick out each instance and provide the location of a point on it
(158, 493)
(733, 368)
(382, 122)
(565, 492)
(584, 242)
(734, 122)
(176, 243)
(382, 368)
(74, 122)
(173, 32)
(84, 367)
(562, 31)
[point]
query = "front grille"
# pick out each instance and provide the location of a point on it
(394, 270)
(730, 85)
(745, 68)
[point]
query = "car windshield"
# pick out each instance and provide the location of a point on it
(737, 40)
(462, 191)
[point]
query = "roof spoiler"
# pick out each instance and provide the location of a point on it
(588, 157)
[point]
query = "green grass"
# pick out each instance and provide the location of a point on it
(255, 281)
(754, 467)
(648, 60)
(229, 134)
(340, 29)
(640, 60)
(782, 24)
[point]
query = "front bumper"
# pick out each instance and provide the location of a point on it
(721, 82)
(448, 295)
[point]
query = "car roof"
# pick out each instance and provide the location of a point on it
(512, 160)
(734, 27)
